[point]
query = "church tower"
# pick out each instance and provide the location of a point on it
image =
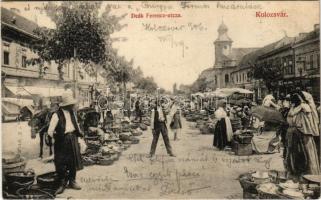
(223, 44)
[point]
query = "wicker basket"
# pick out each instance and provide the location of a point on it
(249, 195)
(34, 194)
(48, 180)
(266, 195)
(14, 167)
(247, 184)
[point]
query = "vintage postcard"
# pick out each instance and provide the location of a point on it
(160, 99)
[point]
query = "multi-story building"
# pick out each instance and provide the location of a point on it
(226, 58)
(307, 61)
(22, 79)
(277, 56)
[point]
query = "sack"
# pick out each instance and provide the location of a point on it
(82, 145)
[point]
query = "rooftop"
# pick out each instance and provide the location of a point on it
(18, 22)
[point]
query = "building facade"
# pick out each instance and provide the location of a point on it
(18, 76)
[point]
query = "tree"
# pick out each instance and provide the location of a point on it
(270, 74)
(148, 84)
(80, 33)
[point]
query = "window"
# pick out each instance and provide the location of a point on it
(290, 65)
(23, 61)
(308, 62)
(311, 62)
(215, 79)
(318, 60)
(226, 78)
(6, 58)
(237, 78)
(225, 46)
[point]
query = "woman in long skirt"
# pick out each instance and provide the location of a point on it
(302, 157)
(223, 129)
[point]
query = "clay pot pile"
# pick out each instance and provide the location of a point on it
(20, 185)
(12, 163)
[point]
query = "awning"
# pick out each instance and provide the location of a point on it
(45, 91)
(17, 101)
(18, 91)
(33, 90)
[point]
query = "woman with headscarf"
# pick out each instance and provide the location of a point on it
(301, 155)
(223, 132)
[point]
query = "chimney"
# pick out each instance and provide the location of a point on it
(316, 27)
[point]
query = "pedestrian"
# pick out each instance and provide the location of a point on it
(269, 101)
(64, 129)
(302, 157)
(138, 110)
(176, 123)
(109, 119)
(223, 132)
(158, 125)
(281, 131)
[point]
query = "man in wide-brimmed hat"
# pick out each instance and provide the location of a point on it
(65, 130)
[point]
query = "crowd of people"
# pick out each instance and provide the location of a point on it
(299, 134)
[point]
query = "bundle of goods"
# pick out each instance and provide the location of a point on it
(134, 125)
(134, 140)
(110, 138)
(88, 160)
(205, 129)
(125, 126)
(125, 136)
(93, 144)
(147, 122)
(136, 132)
(17, 180)
(143, 127)
(13, 163)
(200, 123)
(236, 124)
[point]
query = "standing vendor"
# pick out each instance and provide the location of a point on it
(64, 129)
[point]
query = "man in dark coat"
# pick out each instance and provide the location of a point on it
(158, 125)
(64, 129)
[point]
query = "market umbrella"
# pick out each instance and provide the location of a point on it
(268, 114)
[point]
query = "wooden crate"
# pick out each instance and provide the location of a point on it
(242, 149)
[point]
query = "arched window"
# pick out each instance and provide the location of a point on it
(215, 79)
(226, 78)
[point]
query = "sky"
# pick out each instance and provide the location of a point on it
(180, 56)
